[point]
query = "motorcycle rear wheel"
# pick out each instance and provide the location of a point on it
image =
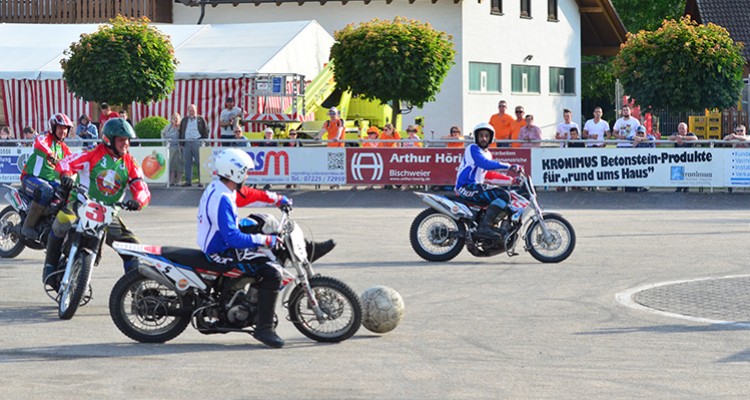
(78, 283)
(435, 236)
(558, 247)
(339, 303)
(11, 244)
(147, 311)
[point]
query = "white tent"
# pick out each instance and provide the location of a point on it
(214, 62)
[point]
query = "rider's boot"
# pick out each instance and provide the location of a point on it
(315, 250)
(32, 217)
(264, 329)
(52, 259)
(485, 230)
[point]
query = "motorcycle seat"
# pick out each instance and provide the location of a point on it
(193, 258)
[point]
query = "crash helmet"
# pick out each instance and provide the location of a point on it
(116, 127)
(484, 126)
(62, 120)
(233, 164)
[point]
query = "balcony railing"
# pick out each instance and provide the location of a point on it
(82, 11)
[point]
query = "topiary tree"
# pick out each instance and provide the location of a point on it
(392, 61)
(120, 63)
(150, 128)
(682, 66)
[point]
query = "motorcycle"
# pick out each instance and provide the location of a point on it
(174, 287)
(440, 233)
(12, 242)
(69, 286)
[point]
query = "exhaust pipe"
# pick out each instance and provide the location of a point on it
(152, 273)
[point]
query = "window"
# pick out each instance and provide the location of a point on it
(562, 80)
(525, 79)
(552, 10)
(496, 7)
(484, 77)
(526, 8)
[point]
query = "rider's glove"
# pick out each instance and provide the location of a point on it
(271, 241)
(132, 205)
(67, 183)
(283, 201)
(517, 180)
(516, 167)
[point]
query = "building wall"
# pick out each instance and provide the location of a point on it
(473, 30)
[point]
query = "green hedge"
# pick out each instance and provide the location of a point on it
(150, 128)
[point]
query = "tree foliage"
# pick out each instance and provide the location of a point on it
(392, 60)
(682, 66)
(122, 62)
(639, 15)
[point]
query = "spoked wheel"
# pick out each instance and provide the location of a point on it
(554, 247)
(436, 237)
(147, 311)
(10, 229)
(73, 294)
(342, 311)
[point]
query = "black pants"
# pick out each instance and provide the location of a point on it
(257, 265)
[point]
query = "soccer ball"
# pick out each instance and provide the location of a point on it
(383, 309)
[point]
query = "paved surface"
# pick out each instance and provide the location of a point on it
(474, 328)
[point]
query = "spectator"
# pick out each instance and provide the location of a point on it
(641, 139)
(515, 127)
(625, 127)
(683, 138)
(455, 137)
(85, 130)
(502, 123)
(391, 135)
(739, 135)
(596, 129)
(171, 136)
(193, 129)
(530, 134)
(563, 129)
(372, 137)
(5, 137)
(29, 135)
(335, 129)
(106, 114)
(293, 139)
(229, 119)
(575, 138)
(239, 137)
(267, 139)
(412, 140)
(124, 115)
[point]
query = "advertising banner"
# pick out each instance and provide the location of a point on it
(737, 170)
(12, 160)
(154, 162)
(628, 167)
(288, 165)
(414, 166)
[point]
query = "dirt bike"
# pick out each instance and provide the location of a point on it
(440, 233)
(174, 286)
(12, 217)
(69, 286)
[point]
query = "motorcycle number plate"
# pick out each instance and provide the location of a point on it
(93, 214)
(518, 201)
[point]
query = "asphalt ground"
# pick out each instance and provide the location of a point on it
(650, 305)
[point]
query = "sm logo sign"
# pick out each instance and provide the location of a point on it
(270, 163)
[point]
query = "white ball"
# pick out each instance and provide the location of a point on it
(383, 309)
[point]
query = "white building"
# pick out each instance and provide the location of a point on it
(527, 52)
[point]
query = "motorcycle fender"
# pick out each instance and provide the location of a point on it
(446, 206)
(14, 199)
(152, 273)
(534, 217)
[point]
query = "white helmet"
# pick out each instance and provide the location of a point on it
(233, 164)
(484, 126)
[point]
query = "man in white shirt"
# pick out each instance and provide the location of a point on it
(229, 118)
(563, 129)
(596, 129)
(625, 126)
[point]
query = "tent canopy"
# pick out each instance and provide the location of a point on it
(34, 51)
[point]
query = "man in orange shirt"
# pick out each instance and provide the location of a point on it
(502, 123)
(515, 128)
(335, 128)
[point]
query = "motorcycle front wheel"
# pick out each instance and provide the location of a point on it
(339, 304)
(555, 247)
(78, 282)
(10, 243)
(435, 236)
(147, 311)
